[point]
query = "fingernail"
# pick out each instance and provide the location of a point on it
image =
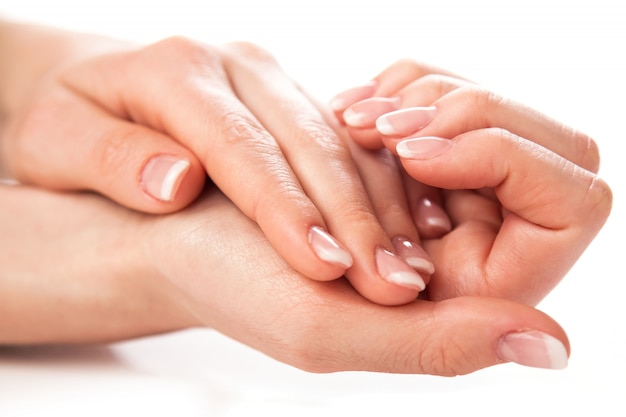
(348, 97)
(533, 348)
(414, 255)
(328, 249)
(393, 269)
(406, 121)
(162, 176)
(364, 113)
(432, 217)
(423, 148)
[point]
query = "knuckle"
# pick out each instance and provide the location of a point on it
(283, 195)
(411, 66)
(482, 99)
(601, 198)
(238, 128)
(439, 84)
(591, 154)
(316, 135)
(356, 214)
(244, 50)
(188, 55)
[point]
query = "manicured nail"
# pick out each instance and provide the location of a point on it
(393, 269)
(432, 217)
(423, 148)
(162, 176)
(328, 249)
(533, 348)
(348, 97)
(406, 121)
(364, 113)
(414, 255)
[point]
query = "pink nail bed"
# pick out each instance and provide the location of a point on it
(405, 122)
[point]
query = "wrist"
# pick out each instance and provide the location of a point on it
(76, 272)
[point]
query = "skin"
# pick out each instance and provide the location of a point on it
(96, 271)
(541, 202)
(146, 274)
(91, 113)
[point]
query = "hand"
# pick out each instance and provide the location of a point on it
(143, 126)
(96, 272)
(521, 189)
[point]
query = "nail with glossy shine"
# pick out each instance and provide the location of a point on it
(162, 176)
(348, 97)
(328, 249)
(394, 270)
(406, 121)
(533, 348)
(423, 148)
(413, 254)
(364, 113)
(432, 220)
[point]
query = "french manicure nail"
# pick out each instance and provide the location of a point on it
(406, 121)
(432, 218)
(393, 269)
(348, 97)
(414, 255)
(423, 148)
(364, 113)
(162, 176)
(533, 348)
(328, 249)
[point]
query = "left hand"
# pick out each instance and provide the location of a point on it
(86, 270)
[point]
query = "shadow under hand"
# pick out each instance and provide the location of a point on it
(62, 356)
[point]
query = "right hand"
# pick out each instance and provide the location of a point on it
(521, 189)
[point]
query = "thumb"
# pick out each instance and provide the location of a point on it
(90, 149)
(453, 337)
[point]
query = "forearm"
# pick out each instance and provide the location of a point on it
(71, 272)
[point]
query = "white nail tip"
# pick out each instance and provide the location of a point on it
(385, 127)
(421, 264)
(328, 249)
(172, 179)
(406, 279)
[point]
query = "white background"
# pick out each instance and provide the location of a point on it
(567, 59)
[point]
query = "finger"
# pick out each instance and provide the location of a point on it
(384, 182)
(370, 120)
(191, 99)
(324, 166)
(426, 205)
(388, 83)
(472, 108)
(403, 72)
(554, 207)
(449, 338)
(329, 327)
(90, 149)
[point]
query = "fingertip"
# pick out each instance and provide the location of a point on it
(170, 182)
(328, 249)
(533, 348)
(162, 175)
(493, 331)
(346, 98)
